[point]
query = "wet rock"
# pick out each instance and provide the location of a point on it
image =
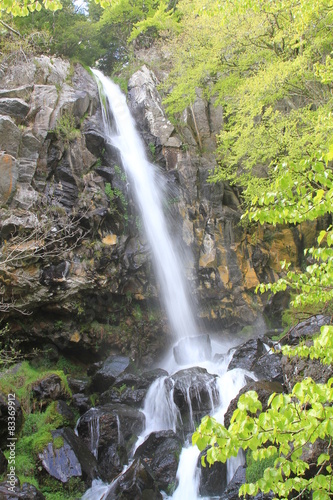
(193, 349)
(195, 394)
(72, 459)
(152, 375)
(306, 329)
(25, 492)
(81, 402)
(111, 461)
(63, 409)
(78, 385)
(213, 478)
(109, 424)
(137, 483)
(55, 274)
(130, 389)
(4, 418)
(112, 367)
(263, 388)
(49, 389)
(296, 369)
(160, 451)
(124, 395)
(255, 355)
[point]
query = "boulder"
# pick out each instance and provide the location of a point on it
(112, 367)
(264, 389)
(14, 107)
(296, 369)
(306, 329)
(111, 461)
(25, 492)
(137, 483)
(124, 395)
(195, 394)
(110, 424)
(72, 459)
(232, 490)
(9, 172)
(81, 402)
(50, 388)
(213, 478)
(130, 389)
(10, 136)
(255, 355)
(161, 451)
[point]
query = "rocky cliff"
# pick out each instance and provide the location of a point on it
(75, 268)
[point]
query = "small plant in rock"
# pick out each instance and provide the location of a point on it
(152, 149)
(66, 128)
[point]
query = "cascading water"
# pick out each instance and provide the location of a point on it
(160, 409)
(146, 185)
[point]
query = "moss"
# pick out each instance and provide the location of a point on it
(23, 377)
(55, 490)
(58, 443)
(255, 468)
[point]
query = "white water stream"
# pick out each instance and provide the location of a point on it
(145, 182)
(160, 410)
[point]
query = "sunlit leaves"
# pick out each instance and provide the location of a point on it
(288, 426)
(22, 8)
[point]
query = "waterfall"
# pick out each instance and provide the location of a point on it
(145, 182)
(160, 409)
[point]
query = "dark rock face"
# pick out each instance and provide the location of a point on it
(14, 107)
(306, 329)
(213, 479)
(263, 388)
(296, 369)
(72, 459)
(112, 460)
(116, 423)
(131, 389)
(112, 367)
(26, 492)
(49, 389)
(161, 452)
(136, 483)
(232, 490)
(194, 393)
(255, 356)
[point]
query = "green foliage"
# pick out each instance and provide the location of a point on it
(255, 468)
(268, 65)
(22, 8)
(272, 73)
(65, 128)
(23, 378)
(292, 422)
